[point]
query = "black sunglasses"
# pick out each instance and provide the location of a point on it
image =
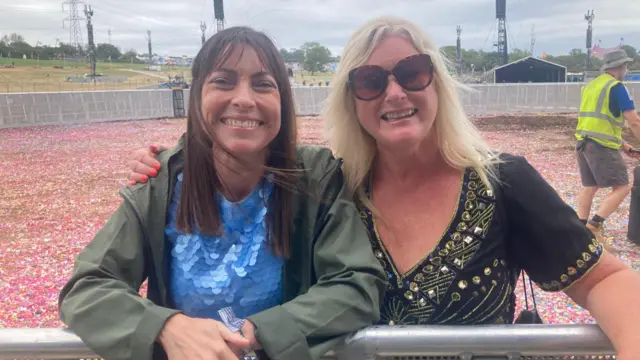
(413, 73)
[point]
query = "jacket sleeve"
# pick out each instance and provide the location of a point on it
(346, 297)
(101, 303)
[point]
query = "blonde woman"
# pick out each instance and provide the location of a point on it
(453, 222)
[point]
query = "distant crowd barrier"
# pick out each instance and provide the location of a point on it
(56, 108)
(47, 108)
(492, 342)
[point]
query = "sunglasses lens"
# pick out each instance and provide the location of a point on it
(414, 73)
(368, 82)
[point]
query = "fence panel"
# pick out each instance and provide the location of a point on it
(495, 342)
(487, 99)
(28, 109)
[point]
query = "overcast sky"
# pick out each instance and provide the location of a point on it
(175, 24)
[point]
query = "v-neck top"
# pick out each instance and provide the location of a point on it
(470, 276)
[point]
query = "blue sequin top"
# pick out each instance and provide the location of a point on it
(236, 269)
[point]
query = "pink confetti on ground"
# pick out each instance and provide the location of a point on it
(60, 184)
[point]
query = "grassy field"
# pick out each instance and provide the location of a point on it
(42, 76)
(67, 63)
(30, 75)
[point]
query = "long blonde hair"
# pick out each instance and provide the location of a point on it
(459, 141)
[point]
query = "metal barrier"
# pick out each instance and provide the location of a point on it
(30, 109)
(487, 99)
(490, 342)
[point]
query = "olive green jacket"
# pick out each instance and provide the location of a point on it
(332, 283)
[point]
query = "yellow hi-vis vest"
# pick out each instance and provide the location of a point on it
(595, 120)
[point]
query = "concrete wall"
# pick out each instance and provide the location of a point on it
(308, 100)
(29, 109)
(490, 99)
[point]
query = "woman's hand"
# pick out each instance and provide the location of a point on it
(185, 338)
(627, 149)
(143, 163)
(248, 329)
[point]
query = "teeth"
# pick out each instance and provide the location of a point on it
(240, 123)
(398, 115)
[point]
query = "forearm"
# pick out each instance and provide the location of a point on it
(613, 302)
(101, 303)
(312, 323)
(104, 313)
(633, 121)
(248, 330)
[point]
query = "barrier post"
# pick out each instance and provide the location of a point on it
(633, 229)
(178, 102)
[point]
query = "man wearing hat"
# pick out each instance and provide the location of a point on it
(605, 109)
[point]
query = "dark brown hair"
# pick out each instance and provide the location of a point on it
(201, 183)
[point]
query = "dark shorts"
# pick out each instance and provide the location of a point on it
(600, 166)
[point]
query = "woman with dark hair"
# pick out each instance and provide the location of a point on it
(246, 241)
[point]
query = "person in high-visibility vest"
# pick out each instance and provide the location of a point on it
(605, 109)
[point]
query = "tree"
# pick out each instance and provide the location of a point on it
(517, 54)
(574, 61)
(20, 48)
(285, 54)
(292, 55)
(576, 52)
(630, 50)
(13, 38)
(297, 55)
(67, 50)
(316, 56)
(4, 49)
(633, 53)
(595, 63)
(492, 59)
(13, 45)
(107, 51)
(130, 56)
(449, 52)
(46, 52)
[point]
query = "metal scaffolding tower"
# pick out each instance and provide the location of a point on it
(589, 17)
(218, 12)
(501, 15)
(75, 28)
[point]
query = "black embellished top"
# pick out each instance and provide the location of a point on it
(470, 276)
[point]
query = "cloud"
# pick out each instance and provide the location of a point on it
(175, 25)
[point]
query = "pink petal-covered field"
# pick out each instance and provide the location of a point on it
(60, 184)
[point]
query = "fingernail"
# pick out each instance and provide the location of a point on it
(156, 166)
(153, 172)
(144, 178)
(132, 182)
